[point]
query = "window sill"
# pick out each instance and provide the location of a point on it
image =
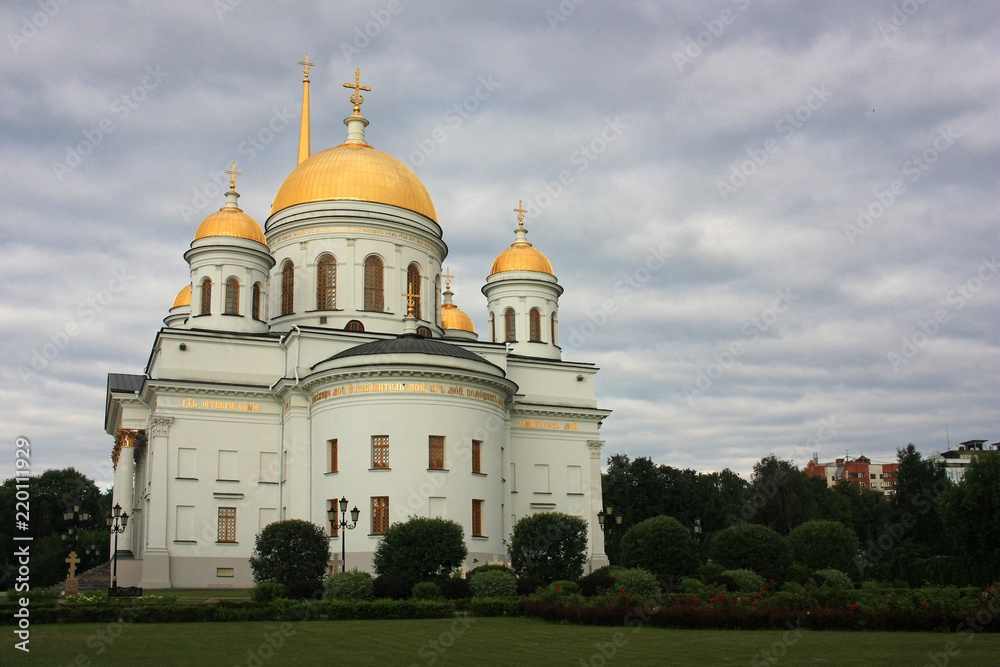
(231, 315)
(574, 494)
(228, 480)
(543, 493)
(332, 472)
(185, 542)
(378, 469)
(219, 542)
(375, 534)
(480, 474)
(262, 482)
(480, 537)
(190, 479)
(438, 470)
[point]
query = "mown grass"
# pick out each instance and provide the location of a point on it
(484, 641)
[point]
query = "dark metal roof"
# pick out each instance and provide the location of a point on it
(409, 344)
(125, 382)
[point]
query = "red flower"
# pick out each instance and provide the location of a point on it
(558, 586)
(854, 607)
(756, 595)
(721, 596)
(765, 585)
(696, 599)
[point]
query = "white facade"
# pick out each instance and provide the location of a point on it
(287, 404)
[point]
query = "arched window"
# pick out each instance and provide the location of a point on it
(287, 288)
(555, 329)
(413, 287)
(493, 328)
(255, 307)
(535, 320)
(206, 296)
(510, 330)
(425, 332)
(326, 283)
(374, 277)
(232, 297)
(354, 325)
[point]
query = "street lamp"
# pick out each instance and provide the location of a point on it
(332, 515)
(116, 522)
(697, 529)
(607, 519)
(74, 517)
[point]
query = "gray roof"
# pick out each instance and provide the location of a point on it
(125, 382)
(409, 344)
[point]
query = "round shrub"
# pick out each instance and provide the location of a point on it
(266, 591)
(420, 549)
(489, 567)
(596, 583)
(528, 584)
(565, 586)
(427, 590)
(494, 585)
(661, 545)
(391, 586)
(821, 545)
(835, 579)
(550, 545)
(750, 546)
(455, 588)
(639, 583)
(353, 585)
(287, 551)
(746, 581)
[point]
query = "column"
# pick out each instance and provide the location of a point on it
(156, 560)
(598, 557)
(124, 491)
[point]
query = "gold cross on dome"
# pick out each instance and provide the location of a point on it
(307, 65)
(232, 176)
(447, 278)
(410, 298)
(520, 210)
(356, 97)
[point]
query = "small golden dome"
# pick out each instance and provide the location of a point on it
(355, 171)
(231, 221)
(452, 317)
(183, 297)
(522, 256)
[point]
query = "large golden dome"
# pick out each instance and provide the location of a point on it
(231, 221)
(522, 256)
(355, 171)
(183, 297)
(452, 317)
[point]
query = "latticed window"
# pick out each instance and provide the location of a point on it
(206, 296)
(334, 525)
(232, 297)
(510, 330)
(425, 332)
(333, 455)
(326, 283)
(413, 287)
(435, 447)
(477, 456)
(380, 451)
(287, 288)
(354, 325)
(535, 320)
(255, 307)
(374, 277)
(477, 518)
(380, 514)
(227, 524)
(493, 329)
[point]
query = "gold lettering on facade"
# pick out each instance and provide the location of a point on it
(412, 387)
(208, 404)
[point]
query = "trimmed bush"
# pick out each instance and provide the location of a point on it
(421, 549)
(567, 587)
(427, 590)
(661, 545)
(528, 584)
(352, 586)
(549, 545)
(823, 545)
(455, 588)
(637, 583)
(745, 580)
(391, 586)
(835, 579)
(596, 583)
(495, 607)
(290, 551)
(267, 591)
(750, 546)
(494, 585)
(489, 567)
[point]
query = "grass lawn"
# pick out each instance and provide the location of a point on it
(485, 641)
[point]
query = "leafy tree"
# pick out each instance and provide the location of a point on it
(549, 545)
(661, 545)
(290, 551)
(919, 483)
(868, 511)
(972, 512)
(781, 495)
(750, 546)
(421, 549)
(821, 545)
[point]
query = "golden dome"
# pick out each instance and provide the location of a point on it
(522, 256)
(355, 171)
(452, 317)
(183, 297)
(231, 221)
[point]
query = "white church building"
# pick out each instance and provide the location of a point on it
(317, 358)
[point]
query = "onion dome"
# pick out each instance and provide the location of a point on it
(183, 297)
(453, 317)
(521, 255)
(231, 220)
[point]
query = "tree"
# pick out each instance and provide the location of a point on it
(421, 549)
(661, 545)
(290, 551)
(750, 546)
(971, 511)
(780, 495)
(821, 545)
(549, 545)
(919, 483)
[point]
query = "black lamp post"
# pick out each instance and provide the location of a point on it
(697, 530)
(608, 520)
(116, 522)
(332, 515)
(74, 517)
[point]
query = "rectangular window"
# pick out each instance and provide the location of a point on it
(335, 524)
(436, 508)
(184, 526)
(380, 451)
(334, 459)
(228, 465)
(435, 452)
(477, 456)
(225, 572)
(265, 516)
(227, 524)
(477, 518)
(574, 479)
(186, 462)
(269, 467)
(380, 514)
(513, 477)
(541, 479)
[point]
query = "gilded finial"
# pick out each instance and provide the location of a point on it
(447, 279)
(306, 65)
(410, 298)
(356, 97)
(520, 210)
(232, 176)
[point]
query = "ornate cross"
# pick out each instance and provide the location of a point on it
(356, 96)
(520, 210)
(73, 562)
(410, 298)
(307, 65)
(447, 278)
(232, 176)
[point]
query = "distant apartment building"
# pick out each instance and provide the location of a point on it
(957, 461)
(879, 477)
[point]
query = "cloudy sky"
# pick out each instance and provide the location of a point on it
(776, 223)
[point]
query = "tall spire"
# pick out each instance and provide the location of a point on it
(305, 148)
